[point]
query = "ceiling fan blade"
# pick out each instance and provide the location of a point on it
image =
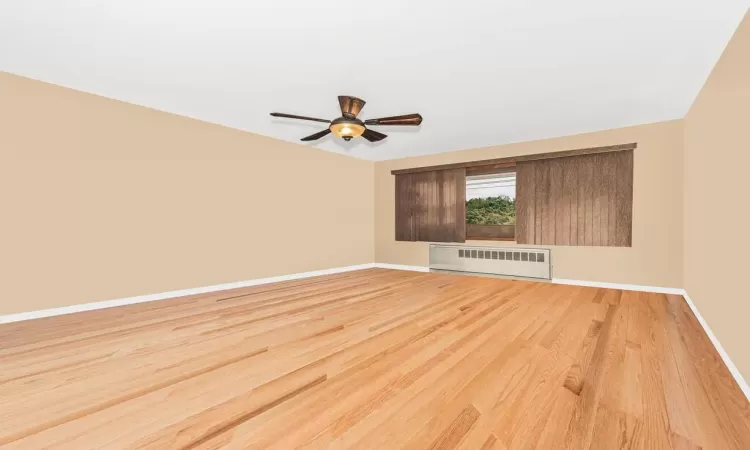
(373, 136)
(292, 116)
(316, 136)
(350, 106)
(408, 119)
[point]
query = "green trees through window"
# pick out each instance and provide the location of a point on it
(499, 210)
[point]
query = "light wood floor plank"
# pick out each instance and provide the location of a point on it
(373, 359)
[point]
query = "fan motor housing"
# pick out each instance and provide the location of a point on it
(347, 121)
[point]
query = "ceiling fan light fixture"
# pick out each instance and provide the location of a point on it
(347, 129)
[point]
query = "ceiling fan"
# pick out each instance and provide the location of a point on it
(348, 126)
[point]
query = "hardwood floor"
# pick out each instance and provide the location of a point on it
(373, 359)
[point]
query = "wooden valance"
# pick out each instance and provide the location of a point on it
(509, 161)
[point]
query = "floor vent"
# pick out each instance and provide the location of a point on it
(518, 262)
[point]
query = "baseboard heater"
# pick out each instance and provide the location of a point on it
(509, 261)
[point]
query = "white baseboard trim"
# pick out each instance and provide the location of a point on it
(723, 353)
(401, 267)
(599, 284)
(624, 287)
(171, 294)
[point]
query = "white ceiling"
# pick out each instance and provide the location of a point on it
(480, 72)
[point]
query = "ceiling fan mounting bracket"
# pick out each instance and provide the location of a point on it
(350, 106)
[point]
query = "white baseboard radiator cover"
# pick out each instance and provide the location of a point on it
(509, 261)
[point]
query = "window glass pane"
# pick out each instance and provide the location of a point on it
(491, 199)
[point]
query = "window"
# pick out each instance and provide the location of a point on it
(578, 197)
(491, 204)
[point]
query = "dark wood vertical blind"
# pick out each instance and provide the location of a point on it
(431, 206)
(576, 200)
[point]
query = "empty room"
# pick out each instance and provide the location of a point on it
(409, 224)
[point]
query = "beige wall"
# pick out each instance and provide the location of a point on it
(656, 255)
(101, 199)
(717, 164)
